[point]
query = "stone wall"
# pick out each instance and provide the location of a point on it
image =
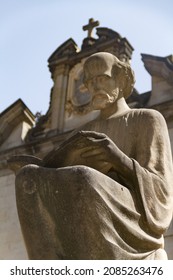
(11, 241)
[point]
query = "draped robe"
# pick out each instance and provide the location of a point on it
(77, 212)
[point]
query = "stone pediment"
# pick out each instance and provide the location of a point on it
(159, 66)
(69, 47)
(110, 41)
(161, 71)
(16, 120)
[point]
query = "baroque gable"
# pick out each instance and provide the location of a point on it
(15, 123)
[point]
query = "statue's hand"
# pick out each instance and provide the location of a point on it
(89, 148)
(100, 148)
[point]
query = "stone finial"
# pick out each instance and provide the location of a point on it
(90, 26)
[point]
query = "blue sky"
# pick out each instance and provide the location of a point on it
(32, 29)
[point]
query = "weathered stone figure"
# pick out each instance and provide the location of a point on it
(106, 192)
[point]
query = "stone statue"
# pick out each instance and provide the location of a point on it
(107, 191)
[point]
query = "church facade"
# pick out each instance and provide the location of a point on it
(22, 133)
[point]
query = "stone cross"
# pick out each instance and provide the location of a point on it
(90, 26)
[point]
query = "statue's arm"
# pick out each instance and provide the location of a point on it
(150, 173)
(153, 151)
(153, 171)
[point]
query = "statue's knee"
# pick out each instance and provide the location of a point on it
(82, 172)
(81, 176)
(26, 179)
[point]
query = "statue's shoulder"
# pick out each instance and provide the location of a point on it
(148, 116)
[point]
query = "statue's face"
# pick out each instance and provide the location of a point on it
(104, 91)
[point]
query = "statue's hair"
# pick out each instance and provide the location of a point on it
(125, 73)
(115, 68)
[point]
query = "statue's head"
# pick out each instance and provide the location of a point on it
(108, 65)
